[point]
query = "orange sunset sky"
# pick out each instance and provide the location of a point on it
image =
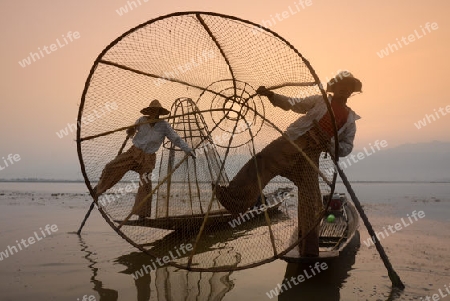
(399, 89)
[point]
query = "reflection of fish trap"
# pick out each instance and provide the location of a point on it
(186, 191)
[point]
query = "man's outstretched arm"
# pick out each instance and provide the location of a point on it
(298, 105)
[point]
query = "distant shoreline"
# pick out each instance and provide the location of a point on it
(39, 181)
(82, 181)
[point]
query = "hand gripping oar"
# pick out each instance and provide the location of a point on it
(93, 202)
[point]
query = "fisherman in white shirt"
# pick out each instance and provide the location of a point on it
(313, 133)
(149, 133)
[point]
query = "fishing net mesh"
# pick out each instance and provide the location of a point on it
(201, 214)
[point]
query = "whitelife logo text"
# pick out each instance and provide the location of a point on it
(25, 243)
(46, 50)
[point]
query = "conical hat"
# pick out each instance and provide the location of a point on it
(344, 77)
(154, 105)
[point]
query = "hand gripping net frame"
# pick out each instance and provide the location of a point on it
(217, 61)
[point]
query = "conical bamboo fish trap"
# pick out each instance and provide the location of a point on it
(206, 67)
(187, 190)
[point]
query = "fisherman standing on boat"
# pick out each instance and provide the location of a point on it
(141, 157)
(313, 133)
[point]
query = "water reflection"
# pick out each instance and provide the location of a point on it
(172, 284)
(105, 294)
(216, 248)
(165, 284)
(325, 285)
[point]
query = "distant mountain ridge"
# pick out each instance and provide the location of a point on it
(434, 146)
(420, 162)
(37, 180)
(407, 162)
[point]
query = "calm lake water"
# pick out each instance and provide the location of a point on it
(98, 265)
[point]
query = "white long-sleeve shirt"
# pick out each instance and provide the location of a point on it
(315, 108)
(150, 138)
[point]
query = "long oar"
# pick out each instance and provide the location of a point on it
(395, 279)
(93, 202)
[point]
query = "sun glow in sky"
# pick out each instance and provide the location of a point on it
(399, 50)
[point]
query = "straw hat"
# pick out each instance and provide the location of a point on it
(154, 105)
(344, 77)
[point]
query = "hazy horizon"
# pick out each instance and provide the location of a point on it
(401, 56)
(385, 165)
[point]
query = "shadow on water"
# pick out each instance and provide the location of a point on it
(325, 285)
(104, 293)
(172, 284)
(165, 284)
(169, 283)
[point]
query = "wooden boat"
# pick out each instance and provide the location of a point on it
(194, 221)
(334, 236)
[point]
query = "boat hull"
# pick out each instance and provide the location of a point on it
(331, 244)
